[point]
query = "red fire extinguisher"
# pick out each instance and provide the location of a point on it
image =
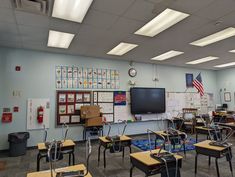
(40, 113)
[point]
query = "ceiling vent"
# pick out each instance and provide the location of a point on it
(34, 6)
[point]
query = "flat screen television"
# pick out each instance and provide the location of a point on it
(147, 100)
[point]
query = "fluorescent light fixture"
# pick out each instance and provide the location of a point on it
(225, 65)
(167, 55)
(59, 39)
(221, 35)
(202, 60)
(72, 10)
(232, 51)
(122, 48)
(161, 22)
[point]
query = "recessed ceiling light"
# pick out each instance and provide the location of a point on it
(59, 39)
(72, 10)
(221, 35)
(202, 60)
(232, 51)
(167, 55)
(225, 65)
(161, 22)
(122, 48)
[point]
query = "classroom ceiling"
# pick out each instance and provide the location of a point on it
(109, 22)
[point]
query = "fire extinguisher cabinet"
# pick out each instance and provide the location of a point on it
(17, 143)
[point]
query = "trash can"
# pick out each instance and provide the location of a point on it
(17, 143)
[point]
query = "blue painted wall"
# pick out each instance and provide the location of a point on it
(37, 80)
(225, 80)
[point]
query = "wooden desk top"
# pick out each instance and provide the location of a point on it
(203, 128)
(67, 143)
(205, 144)
(230, 124)
(122, 138)
(165, 134)
(48, 173)
(144, 157)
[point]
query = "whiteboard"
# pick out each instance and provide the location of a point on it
(32, 105)
(175, 101)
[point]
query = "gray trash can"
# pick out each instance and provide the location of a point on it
(17, 143)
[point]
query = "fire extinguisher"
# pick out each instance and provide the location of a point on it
(40, 113)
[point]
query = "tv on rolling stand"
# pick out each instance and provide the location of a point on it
(147, 100)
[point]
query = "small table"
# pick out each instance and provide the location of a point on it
(124, 140)
(48, 173)
(230, 124)
(204, 131)
(217, 152)
(150, 166)
(166, 135)
(67, 148)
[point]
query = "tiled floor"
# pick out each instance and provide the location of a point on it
(116, 166)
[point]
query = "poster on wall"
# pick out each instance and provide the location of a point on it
(33, 105)
(119, 98)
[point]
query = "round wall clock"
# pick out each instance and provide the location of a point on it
(132, 72)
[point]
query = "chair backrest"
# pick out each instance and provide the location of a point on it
(65, 129)
(45, 133)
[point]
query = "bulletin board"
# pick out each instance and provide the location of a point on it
(69, 104)
(105, 100)
(32, 107)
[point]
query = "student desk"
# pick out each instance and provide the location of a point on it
(125, 142)
(48, 172)
(67, 148)
(150, 166)
(230, 124)
(213, 151)
(204, 130)
(166, 135)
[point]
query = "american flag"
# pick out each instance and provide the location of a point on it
(197, 83)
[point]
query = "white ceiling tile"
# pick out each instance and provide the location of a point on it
(64, 25)
(189, 6)
(144, 10)
(29, 33)
(126, 25)
(5, 4)
(100, 19)
(7, 15)
(228, 19)
(8, 28)
(116, 7)
(30, 19)
(217, 9)
(13, 44)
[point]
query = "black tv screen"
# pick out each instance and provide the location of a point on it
(147, 100)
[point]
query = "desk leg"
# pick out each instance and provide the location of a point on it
(184, 149)
(38, 162)
(104, 153)
(231, 168)
(196, 163)
(155, 145)
(69, 159)
(130, 149)
(73, 158)
(196, 136)
(131, 170)
(217, 167)
(209, 161)
(99, 154)
(123, 152)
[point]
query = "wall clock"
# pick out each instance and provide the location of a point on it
(132, 72)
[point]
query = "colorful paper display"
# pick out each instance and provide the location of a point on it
(72, 77)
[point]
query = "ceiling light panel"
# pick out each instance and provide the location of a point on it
(202, 60)
(122, 48)
(59, 39)
(232, 51)
(72, 10)
(225, 65)
(161, 22)
(167, 55)
(221, 35)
